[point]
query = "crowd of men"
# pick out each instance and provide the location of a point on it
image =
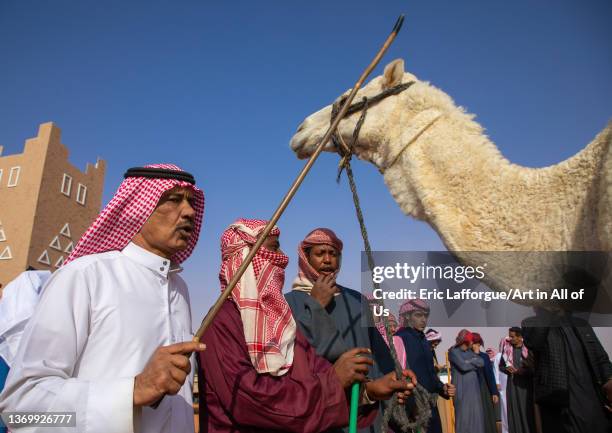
(111, 339)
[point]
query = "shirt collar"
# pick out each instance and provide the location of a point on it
(155, 263)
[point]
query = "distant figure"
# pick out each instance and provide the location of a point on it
(573, 374)
(414, 350)
(488, 387)
(518, 366)
(502, 381)
(494, 359)
(434, 339)
(444, 405)
(469, 417)
(17, 303)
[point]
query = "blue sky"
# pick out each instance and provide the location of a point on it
(219, 88)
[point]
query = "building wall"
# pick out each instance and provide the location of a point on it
(56, 210)
(18, 207)
(35, 211)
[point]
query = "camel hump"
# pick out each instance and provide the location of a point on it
(604, 211)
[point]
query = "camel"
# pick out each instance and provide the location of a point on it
(441, 168)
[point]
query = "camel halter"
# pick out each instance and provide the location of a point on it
(346, 151)
(342, 148)
(424, 399)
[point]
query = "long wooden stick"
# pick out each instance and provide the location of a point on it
(451, 414)
(296, 184)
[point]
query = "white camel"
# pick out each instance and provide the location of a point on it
(440, 167)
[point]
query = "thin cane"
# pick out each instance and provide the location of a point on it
(212, 313)
(285, 202)
(296, 184)
(452, 403)
(354, 407)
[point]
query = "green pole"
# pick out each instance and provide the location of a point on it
(354, 407)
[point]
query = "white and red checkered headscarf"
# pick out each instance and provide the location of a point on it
(380, 325)
(411, 306)
(269, 327)
(307, 275)
(129, 209)
(491, 353)
(433, 335)
(507, 350)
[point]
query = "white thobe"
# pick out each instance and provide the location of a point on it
(18, 302)
(98, 322)
(502, 379)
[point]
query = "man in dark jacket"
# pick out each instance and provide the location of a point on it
(413, 316)
(488, 387)
(332, 317)
(573, 373)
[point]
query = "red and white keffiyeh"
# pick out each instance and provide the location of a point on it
(307, 275)
(464, 337)
(491, 353)
(269, 327)
(507, 349)
(129, 209)
(380, 326)
(379, 321)
(433, 335)
(411, 306)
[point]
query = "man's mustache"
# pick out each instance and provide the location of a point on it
(188, 227)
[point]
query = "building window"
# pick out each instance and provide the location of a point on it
(13, 178)
(81, 194)
(66, 185)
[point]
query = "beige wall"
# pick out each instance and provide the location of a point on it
(33, 212)
(55, 209)
(18, 206)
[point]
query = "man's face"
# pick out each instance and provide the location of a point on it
(515, 339)
(271, 243)
(393, 327)
(170, 226)
(476, 347)
(435, 344)
(324, 259)
(418, 320)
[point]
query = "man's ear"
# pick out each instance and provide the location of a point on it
(393, 74)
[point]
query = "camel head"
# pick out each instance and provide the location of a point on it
(386, 122)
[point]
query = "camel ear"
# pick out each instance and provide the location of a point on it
(394, 72)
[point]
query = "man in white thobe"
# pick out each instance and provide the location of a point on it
(17, 304)
(111, 337)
